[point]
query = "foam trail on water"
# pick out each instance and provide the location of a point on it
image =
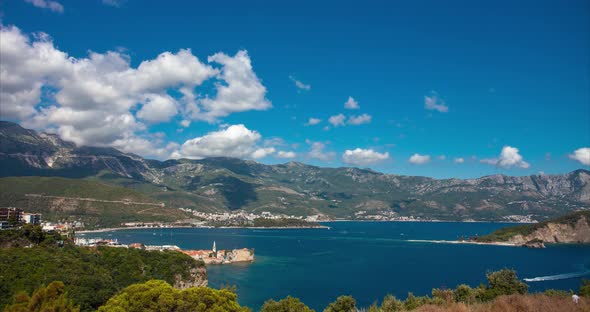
(557, 276)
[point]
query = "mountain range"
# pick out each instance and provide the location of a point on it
(293, 188)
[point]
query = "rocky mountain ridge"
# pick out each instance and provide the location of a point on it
(226, 184)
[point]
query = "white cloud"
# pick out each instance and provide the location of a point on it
(582, 155)
(509, 157)
(351, 103)
(418, 159)
(185, 123)
(434, 102)
(459, 160)
(241, 92)
(235, 141)
(157, 108)
(47, 4)
(359, 120)
(286, 154)
(313, 121)
(318, 151)
(337, 120)
(274, 141)
(262, 152)
(300, 85)
(96, 100)
(363, 157)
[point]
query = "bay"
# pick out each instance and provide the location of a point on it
(366, 260)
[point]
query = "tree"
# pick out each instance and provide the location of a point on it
(464, 294)
(411, 302)
(52, 298)
(391, 304)
(342, 304)
(443, 295)
(504, 282)
(288, 304)
(156, 295)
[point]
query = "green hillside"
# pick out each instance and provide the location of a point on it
(32, 195)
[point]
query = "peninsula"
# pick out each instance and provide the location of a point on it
(573, 228)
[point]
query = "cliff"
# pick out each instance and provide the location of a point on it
(572, 228)
(197, 278)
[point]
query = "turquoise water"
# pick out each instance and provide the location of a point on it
(366, 260)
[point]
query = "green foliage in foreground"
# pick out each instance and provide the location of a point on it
(342, 304)
(91, 275)
(52, 298)
(288, 304)
(504, 234)
(155, 296)
(28, 235)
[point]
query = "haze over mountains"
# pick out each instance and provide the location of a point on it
(229, 184)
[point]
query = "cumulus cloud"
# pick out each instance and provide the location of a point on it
(509, 157)
(582, 155)
(363, 157)
(47, 4)
(158, 108)
(313, 121)
(234, 141)
(337, 120)
(262, 152)
(102, 100)
(286, 154)
(351, 103)
(300, 85)
(318, 151)
(434, 102)
(359, 120)
(185, 123)
(418, 159)
(459, 160)
(242, 90)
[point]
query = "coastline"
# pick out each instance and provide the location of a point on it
(462, 242)
(200, 227)
(320, 226)
(433, 221)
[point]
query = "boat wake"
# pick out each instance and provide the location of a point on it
(557, 276)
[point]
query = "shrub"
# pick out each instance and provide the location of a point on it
(52, 298)
(442, 295)
(155, 296)
(288, 304)
(504, 282)
(342, 304)
(465, 294)
(391, 304)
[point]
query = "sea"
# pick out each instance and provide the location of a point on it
(367, 260)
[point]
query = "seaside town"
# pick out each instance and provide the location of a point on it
(209, 256)
(11, 217)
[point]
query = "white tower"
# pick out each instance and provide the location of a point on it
(214, 248)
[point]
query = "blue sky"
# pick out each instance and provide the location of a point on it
(502, 85)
